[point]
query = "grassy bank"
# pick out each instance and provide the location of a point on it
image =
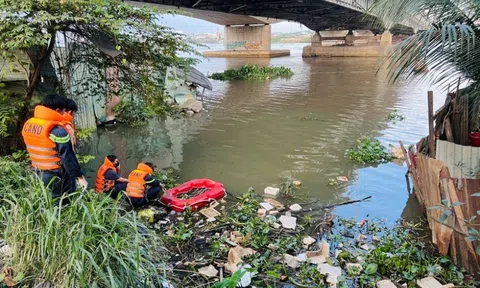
(253, 72)
(91, 243)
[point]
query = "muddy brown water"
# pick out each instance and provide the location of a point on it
(257, 133)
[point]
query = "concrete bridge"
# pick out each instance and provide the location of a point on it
(247, 22)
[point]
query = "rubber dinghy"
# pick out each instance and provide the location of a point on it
(196, 193)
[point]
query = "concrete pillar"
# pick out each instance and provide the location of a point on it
(248, 37)
(350, 39)
(386, 39)
(317, 40)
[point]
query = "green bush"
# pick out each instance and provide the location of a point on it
(253, 72)
(369, 151)
(90, 243)
(133, 112)
(168, 177)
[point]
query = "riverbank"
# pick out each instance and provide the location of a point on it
(192, 250)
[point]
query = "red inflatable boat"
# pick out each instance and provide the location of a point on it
(207, 191)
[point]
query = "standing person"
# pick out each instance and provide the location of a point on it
(49, 147)
(71, 108)
(142, 188)
(108, 178)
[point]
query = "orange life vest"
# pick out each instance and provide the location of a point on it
(136, 181)
(101, 184)
(68, 125)
(36, 134)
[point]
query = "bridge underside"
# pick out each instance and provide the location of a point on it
(314, 14)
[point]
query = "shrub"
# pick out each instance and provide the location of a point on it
(90, 243)
(253, 72)
(134, 112)
(369, 151)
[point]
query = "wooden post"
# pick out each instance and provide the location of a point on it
(431, 131)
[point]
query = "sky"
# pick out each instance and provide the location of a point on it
(189, 25)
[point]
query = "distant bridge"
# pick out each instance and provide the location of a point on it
(315, 14)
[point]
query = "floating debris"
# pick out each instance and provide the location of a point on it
(332, 272)
(295, 207)
(274, 202)
(297, 183)
(210, 212)
(208, 271)
(267, 206)
(290, 261)
(272, 191)
(288, 222)
(308, 241)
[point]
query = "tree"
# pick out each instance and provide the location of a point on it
(448, 47)
(39, 27)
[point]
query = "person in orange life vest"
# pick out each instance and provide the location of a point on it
(108, 178)
(142, 188)
(50, 150)
(71, 108)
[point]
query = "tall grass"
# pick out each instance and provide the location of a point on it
(91, 243)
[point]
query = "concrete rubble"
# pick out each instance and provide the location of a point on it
(192, 105)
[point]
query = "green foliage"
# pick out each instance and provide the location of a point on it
(395, 116)
(253, 72)
(287, 189)
(90, 243)
(145, 48)
(84, 134)
(230, 282)
(399, 255)
(168, 177)
(369, 151)
(448, 44)
(133, 112)
(84, 159)
(9, 107)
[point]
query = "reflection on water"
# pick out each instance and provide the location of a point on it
(257, 133)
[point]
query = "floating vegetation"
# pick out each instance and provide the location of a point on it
(253, 72)
(369, 151)
(395, 116)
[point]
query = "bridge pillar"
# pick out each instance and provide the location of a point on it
(317, 40)
(350, 38)
(386, 39)
(248, 41)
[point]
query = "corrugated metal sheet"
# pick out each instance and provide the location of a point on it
(462, 161)
(91, 107)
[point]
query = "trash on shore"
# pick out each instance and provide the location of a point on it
(248, 239)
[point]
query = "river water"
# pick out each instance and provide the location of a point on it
(258, 133)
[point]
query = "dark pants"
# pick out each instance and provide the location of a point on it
(119, 187)
(59, 182)
(152, 194)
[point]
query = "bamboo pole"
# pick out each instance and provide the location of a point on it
(431, 131)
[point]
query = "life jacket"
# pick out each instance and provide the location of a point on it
(70, 127)
(136, 181)
(36, 134)
(103, 185)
